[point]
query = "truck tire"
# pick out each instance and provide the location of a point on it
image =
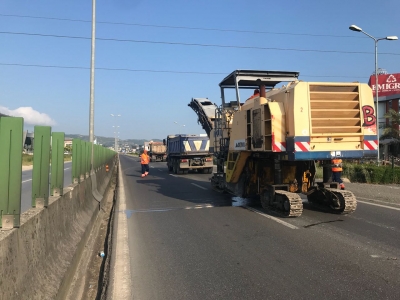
(209, 170)
(170, 168)
(200, 171)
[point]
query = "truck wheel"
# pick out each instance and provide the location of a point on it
(209, 170)
(170, 168)
(201, 171)
(185, 171)
(174, 169)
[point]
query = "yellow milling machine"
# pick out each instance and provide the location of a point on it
(268, 145)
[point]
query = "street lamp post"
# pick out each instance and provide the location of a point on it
(376, 40)
(91, 104)
(115, 136)
(178, 126)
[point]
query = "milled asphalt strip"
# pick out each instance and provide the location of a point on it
(380, 205)
(272, 218)
(122, 272)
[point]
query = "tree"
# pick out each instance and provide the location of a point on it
(394, 121)
(68, 148)
(392, 131)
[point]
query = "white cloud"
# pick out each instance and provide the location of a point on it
(30, 115)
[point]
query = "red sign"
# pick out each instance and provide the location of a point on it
(388, 84)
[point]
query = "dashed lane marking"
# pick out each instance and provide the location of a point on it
(27, 180)
(199, 186)
(380, 205)
(163, 209)
(271, 217)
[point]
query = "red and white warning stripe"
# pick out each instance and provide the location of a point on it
(302, 146)
(279, 146)
(370, 145)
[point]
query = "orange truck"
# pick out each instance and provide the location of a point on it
(157, 151)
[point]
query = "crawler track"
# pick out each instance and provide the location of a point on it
(285, 203)
(348, 202)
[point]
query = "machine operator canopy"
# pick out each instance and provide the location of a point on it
(253, 78)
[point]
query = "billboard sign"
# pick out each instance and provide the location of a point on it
(388, 84)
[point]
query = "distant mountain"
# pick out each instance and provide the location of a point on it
(109, 141)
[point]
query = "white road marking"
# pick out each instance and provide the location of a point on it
(375, 256)
(272, 218)
(173, 175)
(199, 186)
(164, 209)
(152, 167)
(31, 178)
(378, 201)
(380, 205)
(159, 169)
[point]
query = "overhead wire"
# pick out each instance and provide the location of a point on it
(180, 27)
(192, 44)
(154, 71)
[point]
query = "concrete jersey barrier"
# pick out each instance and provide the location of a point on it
(38, 259)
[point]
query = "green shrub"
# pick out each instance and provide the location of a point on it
(367, 173)
(371, 173)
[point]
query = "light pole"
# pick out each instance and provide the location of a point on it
(178, 125)
(115, 136)
(91, 105)
(376, 40)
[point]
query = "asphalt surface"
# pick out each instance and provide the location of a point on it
(26, 190)
(187, 241)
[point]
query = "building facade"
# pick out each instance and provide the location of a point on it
(388, 95)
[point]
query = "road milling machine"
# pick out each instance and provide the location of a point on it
(268, 145)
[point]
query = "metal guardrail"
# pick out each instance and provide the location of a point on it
(46, 145)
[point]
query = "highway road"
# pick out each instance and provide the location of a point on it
(187, 241)
(26, 192)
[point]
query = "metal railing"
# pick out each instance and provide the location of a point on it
(48, 154)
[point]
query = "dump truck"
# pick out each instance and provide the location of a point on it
(188, 152)
(158, 151)
(267, 146)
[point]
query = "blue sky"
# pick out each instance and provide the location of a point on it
(151, 100)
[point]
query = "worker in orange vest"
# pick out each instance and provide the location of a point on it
(337, 172)
(144, 160)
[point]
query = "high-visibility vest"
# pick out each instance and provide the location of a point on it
(337, 165)
(144, 159)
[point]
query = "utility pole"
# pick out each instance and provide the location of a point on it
(91, 107)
